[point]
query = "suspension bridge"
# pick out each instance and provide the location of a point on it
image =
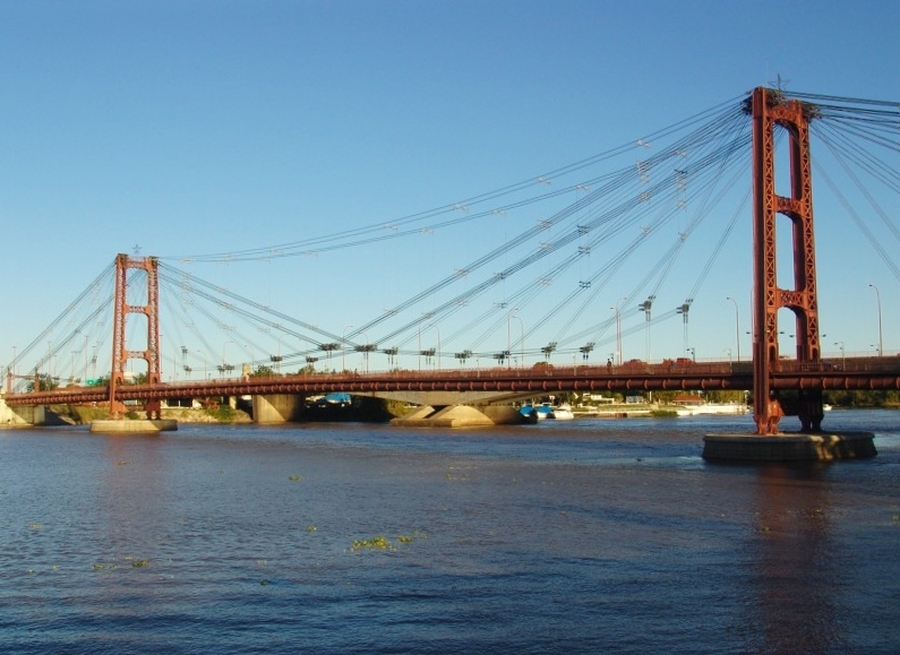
(586, 270)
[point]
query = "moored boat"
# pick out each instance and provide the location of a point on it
(561, 413)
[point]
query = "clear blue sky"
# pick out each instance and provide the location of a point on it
(193, 127)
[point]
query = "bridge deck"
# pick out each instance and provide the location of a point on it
(881, 373)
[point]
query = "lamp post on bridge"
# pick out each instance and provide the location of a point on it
(618, 352)
(840, 344)
(511, 316)
(365, 349)
(548, 350)
(277, 358)
(224, 366)
(586, 350)
(880, 337)
(344, 348)
(737, 326)
(684, 309)
(184, 365)
(645, 307)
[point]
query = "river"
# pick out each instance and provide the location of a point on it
(585, 536)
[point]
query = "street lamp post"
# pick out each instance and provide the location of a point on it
(880, 334)
(646, 307)
(224, 366)
(521, 337)
(344, 349)
(737, 326)
(618, 331)
(840, 344)
(438, 359)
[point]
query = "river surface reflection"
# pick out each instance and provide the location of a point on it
(587, 536)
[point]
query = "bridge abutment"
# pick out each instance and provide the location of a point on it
(21, 416)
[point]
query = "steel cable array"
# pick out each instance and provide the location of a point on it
(685, 180)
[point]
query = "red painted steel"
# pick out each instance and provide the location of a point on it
(120, 353)
(880, 373)
(770, 109)
(767, 374)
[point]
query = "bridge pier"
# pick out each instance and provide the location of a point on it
(789, 447)
(278, 408)
(458, 416)
(114, 426)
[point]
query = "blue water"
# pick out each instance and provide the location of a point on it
(586, 536)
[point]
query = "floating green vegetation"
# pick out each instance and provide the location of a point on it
(123, 462)
(34, 526)
(137, 563)
(375, 543)
(453, 473)
(105, 567)
(295, 478)
(311, 528)
(383, 543)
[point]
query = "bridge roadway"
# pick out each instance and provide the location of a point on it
(871, 373)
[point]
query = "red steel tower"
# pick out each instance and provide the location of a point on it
(770, 109)
(120, 354)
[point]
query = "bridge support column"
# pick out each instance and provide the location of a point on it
(278, 408)
(458, 416)
(810, 410)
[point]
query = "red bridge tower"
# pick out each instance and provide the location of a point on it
(769, 109)
(120, 354)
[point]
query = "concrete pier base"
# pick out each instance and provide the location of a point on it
(136, 425)
(278, 408)
(457, 416)
(789, 447)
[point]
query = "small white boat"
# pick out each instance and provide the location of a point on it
(561, 413)
(712, 408)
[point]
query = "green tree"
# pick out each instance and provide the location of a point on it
(263, 371)
(45, 382)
